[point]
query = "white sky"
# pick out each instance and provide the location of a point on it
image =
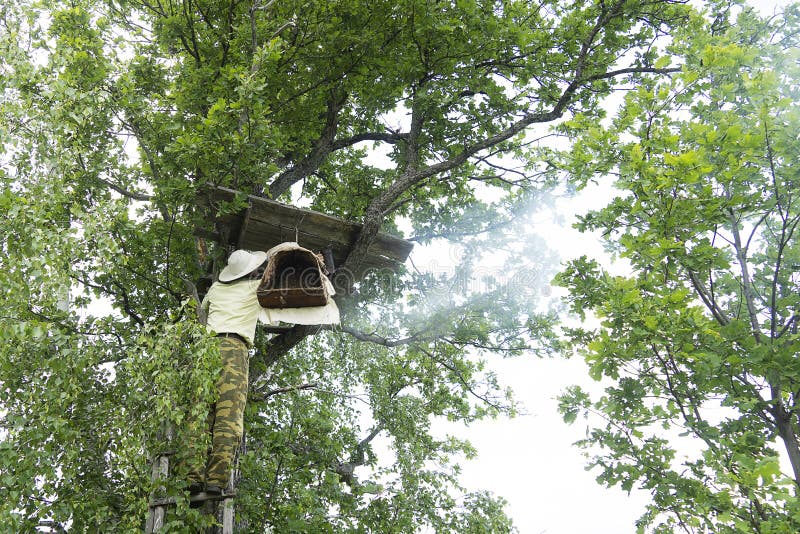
(530, 460)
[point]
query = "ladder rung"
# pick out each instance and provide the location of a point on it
(196, 497)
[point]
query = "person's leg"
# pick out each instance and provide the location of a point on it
(198, 450)
(229, 417)
(192, 457)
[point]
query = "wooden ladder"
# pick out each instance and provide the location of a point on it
(157, 507)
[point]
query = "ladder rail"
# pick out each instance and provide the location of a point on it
(157, 514)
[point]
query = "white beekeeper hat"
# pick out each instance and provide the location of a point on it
(240, 263)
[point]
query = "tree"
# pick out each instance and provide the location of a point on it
(697, 345)
(119, 116)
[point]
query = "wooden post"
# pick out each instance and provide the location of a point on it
(227, 516)
(157, 513)
(228, 509)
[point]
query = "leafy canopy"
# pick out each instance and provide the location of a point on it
(697, 345)
(118, 119)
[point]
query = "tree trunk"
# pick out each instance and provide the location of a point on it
(787, 433)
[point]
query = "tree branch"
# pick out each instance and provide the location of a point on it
(749, 293)
(266, 394)
(282, 343)
(387, 137)
(463, 381)
(346, 469)
(323, 146)
(378, 340)
(126, 303)
(792, 320)
(707, 299)
(632, 70)
(124, 192)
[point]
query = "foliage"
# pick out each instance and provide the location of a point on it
(119, 116)
(697, 345)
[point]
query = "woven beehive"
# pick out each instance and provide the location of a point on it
(293, 279)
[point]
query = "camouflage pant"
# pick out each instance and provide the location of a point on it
(226, 416)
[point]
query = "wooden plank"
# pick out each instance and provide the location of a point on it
(261, 232)
(267, 223)
(332, 229)
(243, 227)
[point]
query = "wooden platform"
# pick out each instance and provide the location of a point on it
(266, 223)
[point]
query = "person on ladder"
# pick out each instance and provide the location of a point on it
(232, 310)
